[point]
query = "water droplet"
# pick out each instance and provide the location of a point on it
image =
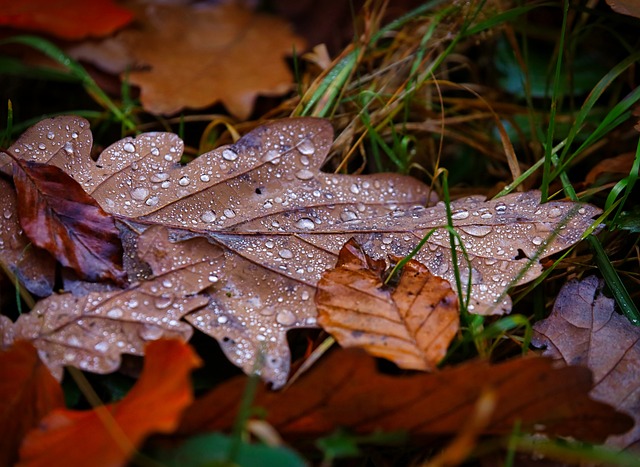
(152, 201)
(115, 313)
(230, 213)
(267, 204)
(208, 216)
(269, 244)
(222, 319)
(272, 156)
(7, 214)
(304, 174)
(501, 208)
(139, 193)
(305, 223)
(41, 146)
(387, 240)
(286, 318)
(50, 135)
(286, 254)
(355, 189)
(555, 212)
(167, 283)
(150, 332)
(130, 148)
(305, 295)
(204, 178)
(155, 152)
(184, 181)
(101, 346)
(582, 211)
(229, 154)
(159, 177)
(459, 215)
(348, 215)
(163, 301)
(477, 230)
(537, 241)
(306, 147)
(486, 215)
(68, 147)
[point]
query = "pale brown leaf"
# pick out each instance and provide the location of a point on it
(584, 329)
(411, 325)
(186, 56)
(281, 223)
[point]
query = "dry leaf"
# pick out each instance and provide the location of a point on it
(92, 331)
(584, 329)
(192, 56)
(281, 223)
(34, 268)
(411, 326)
(346, 390)
(67, 19)
(27, 393)
(154, 405)
(625, 7)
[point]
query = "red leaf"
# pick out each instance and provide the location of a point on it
(59, 216)
(68, 19)
(27, 393)
(154, 405)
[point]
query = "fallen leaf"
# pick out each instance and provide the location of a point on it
(92, 331)
(625, 7)
(67, 19)
(619, 165)
(109, 435)
(411, 326)
(27, 393)
(59, 216)
(584, 329)
(281, 223)
(192, 56)
(345, 390)
(34, 268)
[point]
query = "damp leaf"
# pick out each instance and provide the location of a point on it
(411, 325)
(584, 329)
(346, 390)
(281, 222)
(110, 435)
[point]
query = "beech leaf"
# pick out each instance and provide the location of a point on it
(411, 326)
(154, 405)
(27, 393)
(280, 223)
(584, 329)
(345, 390)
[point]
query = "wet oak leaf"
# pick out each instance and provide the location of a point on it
(411, 325)
(154, 405)
(59, 216)
(27, 393)
(281, 223)
(584, 329)
(346, 390)
(218, 53)
(92, 331)
(67, 19)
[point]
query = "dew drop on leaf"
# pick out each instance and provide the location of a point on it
(304, 174)
(229, 154)
(305, 223)
(130, 148)
(306, 147)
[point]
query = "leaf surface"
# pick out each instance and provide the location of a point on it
(412, 325)
(110, 435)
(584, 329)
(27, 393)
(346, 390)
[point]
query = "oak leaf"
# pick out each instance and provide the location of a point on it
(280, 223)
(67, 19)
(345, 390)
(109, 435)
(411, 326)
(192, 56)
(27, 393)
(584, 329)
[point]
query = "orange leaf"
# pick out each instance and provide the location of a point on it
(411, 326)
(346, 390)
(27, 393)
(109, 435)
(67, 19)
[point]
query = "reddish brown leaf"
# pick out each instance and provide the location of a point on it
(411, 325)
(68, 19)
(68, 438)
(346, 390)
(584, 329)
(60, 217)
(27, 393)
(625, 7)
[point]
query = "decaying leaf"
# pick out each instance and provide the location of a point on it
(154, 405)
(281, 223)
(346, 390)
(625, 7)
(67, 19)
(92, 331)
(59, 216)
(411, 326)
(584, 329)
(196, 55)
(27, 393)
(34, 268)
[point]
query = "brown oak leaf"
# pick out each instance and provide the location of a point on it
(192, 56)
(584, 329)
(280, 223)
(412, 325)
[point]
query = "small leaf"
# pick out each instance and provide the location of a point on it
(60, 217)
(27, 393)
(411, 326)
(154, 405)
